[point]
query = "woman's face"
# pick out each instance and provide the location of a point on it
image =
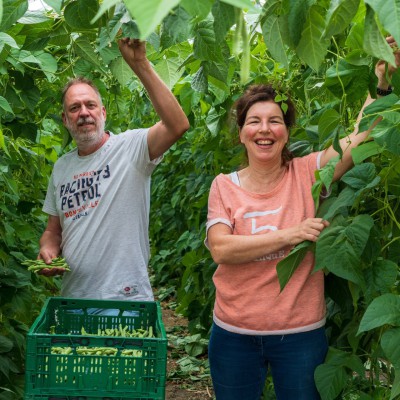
(264, 133)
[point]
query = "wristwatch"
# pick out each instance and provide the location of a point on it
(384, 92)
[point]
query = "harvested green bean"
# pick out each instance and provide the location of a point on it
(122, 332)
(37, 265)
(96, 351)
(107, 351)
(61, 350)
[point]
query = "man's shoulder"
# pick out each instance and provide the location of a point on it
(131, 133)
(67, 156)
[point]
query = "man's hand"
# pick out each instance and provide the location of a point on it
(132, 50)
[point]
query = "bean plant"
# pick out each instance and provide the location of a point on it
(320, 52)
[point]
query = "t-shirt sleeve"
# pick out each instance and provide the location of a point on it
(49, 205)
(312, 163)
(217, 212)
(137, 145)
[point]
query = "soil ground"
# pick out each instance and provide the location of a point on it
(185, 388)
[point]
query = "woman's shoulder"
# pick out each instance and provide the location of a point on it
(311, 160)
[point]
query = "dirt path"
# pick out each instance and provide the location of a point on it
(177, 388)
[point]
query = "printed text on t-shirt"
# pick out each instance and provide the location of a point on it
(82, 193)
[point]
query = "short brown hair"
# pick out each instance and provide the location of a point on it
(262, 92)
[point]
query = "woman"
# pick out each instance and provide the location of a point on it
(255, 216)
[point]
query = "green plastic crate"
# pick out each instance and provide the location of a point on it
(62, 397)
(76, 376)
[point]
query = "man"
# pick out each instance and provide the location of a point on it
(98, 197)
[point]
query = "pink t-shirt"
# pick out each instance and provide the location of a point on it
(248, 298)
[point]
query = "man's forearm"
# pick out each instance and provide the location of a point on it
(163, 100)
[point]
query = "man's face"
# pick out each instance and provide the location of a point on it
(84, 116)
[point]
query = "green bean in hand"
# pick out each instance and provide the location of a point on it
(38, 265)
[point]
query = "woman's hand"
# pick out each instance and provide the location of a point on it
(383, 70)
(309, 229)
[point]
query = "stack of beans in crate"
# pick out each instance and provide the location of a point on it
(120, 352)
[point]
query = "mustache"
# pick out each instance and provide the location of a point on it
(85, 120)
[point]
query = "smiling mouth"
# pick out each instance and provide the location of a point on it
(264, 142)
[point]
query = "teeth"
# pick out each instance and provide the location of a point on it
(264, 142)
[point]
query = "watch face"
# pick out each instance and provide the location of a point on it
(383, 92)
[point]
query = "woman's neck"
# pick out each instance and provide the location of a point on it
(261, 180)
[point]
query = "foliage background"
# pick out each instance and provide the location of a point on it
(322, 52)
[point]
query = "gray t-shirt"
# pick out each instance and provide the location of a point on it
(103, 202)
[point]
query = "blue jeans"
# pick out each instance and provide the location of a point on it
(239, 364)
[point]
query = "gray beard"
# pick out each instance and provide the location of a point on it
(86, 139)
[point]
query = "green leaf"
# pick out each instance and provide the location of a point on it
(224, 18)
(388, 12)
(189, 99)
(34, 18)
(110, 53)
(5, 344)
(387, 137)
(330, 380)
(312, 46)
(176, 28)
(339, 249)
(339, 16)
(287, 267)
(55, 5)
(395, 386)
(26, 57)
(244, 4)
(5, 105)
(214, 120)
(31, 98)
(328, 122)
(84, 49)
(364, 151)
(380, 107)
(245, 57)
(205, 47)
(121, 71)
(323, 180)
(169, 71)
(360, 176)
(105, 5)
(3, 143)
(149, 14)
(197, 9)
(345, 199)
(199, 81)
(349, 80)
(7, 39)
(332, 376)
(109, 32)
(274, 30)
(298, 14)
(79, 14)
(13, 10)
(217, 70)
(383, 310)
(380, 276)
(374, 42)
(48, 64)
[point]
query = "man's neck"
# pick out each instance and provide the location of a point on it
(85, 151)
